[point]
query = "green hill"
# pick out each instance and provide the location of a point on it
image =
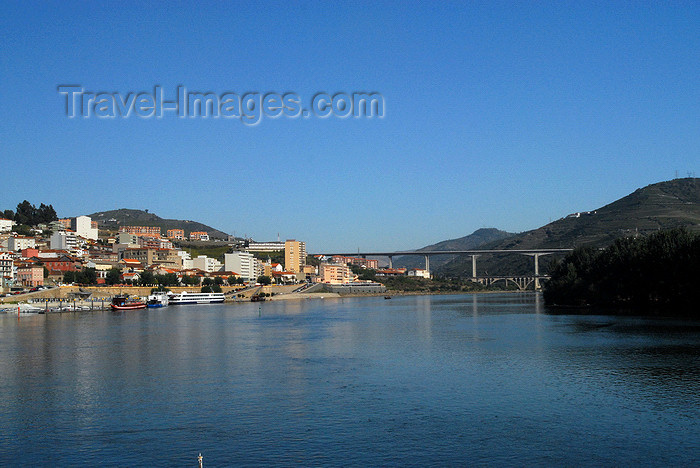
(113, 219)
(663, 205)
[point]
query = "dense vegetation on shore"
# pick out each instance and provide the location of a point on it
(654, 273)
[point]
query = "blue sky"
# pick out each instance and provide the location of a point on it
(498, 114)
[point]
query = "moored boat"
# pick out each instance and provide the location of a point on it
(195, 298)
(124, 302)
(158, 299)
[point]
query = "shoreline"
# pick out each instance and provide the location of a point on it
(301, 296)
(100, 305)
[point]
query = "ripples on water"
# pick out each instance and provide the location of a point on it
(415, 381)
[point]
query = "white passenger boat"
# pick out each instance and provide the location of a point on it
(195, 298)
(158, 299)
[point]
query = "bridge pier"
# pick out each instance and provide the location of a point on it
(536, 256)
(474, 266)
(427, 264)
(391, 261)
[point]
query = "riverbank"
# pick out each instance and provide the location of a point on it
(387, 294)
(60, 305)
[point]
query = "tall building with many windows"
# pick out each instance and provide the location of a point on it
(6, 270)
(294, 255)
(335, 273)
(82, 225)
(243, 263)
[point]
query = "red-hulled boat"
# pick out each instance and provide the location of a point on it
(124, 302)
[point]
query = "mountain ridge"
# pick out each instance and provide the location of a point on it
(662, 205)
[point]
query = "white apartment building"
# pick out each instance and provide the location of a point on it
(187, 262)
(6, 225)
(266, 246)
(16, 243)
(419, 272)
(6, 270)
(64, 240)
(207, 264)
(243, 263)
(82, 225)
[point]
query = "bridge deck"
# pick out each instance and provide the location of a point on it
(447, 252)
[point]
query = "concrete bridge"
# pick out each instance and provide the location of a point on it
(474, 254)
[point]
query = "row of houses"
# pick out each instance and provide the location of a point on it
(72, 245)
(155, 232)
(336, 269)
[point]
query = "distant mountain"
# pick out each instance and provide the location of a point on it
(113, 219)
(472, 241)
(662, 205)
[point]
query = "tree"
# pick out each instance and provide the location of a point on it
(113, 276)
(190, 280)
(147, 278)
(168, 279)
(45, 214)
(368, 274)
(8, 214)
(25, 213)
(311, 260)
(231, 280)
(218, 280)
(264, 280)
(30, 215)
(86, 276)
(69, 277)
(654, 272)
(22, 230)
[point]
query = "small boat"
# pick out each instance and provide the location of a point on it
(257, 298)
(387, 297)
(124, 302)
(195, 298)
(157, 299)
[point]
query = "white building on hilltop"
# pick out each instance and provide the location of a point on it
(82, 225)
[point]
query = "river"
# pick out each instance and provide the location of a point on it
(489, 379)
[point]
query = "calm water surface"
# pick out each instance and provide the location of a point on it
(414, 381)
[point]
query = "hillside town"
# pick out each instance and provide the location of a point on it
(76, 250)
